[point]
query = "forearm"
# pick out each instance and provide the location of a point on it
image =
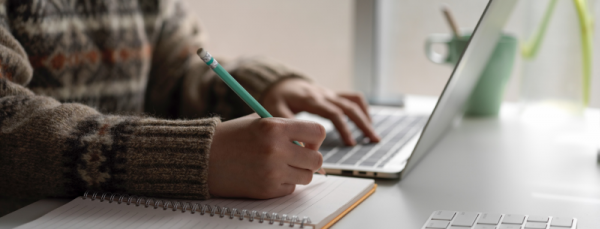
(54, 149)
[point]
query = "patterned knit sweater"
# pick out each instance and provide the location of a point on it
(108, 95)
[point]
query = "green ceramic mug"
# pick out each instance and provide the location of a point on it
(486, 97)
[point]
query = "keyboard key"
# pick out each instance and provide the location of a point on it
(443, 215)
(483, 226)
(350, 161)
(370, 159)
(561, 222)
(478, 220)
(465, 219)
(334, 158)
(338, 155)
(364, 149)
(368, 163)
(325, 153)
(384, 162)
(507, 226)
(487, 218)
(437, 224)
(513, 219)
(535, 226)
(535, 218)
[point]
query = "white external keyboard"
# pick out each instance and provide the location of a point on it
(478, 220)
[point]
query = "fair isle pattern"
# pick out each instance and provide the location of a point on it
(76, 47)
(94, 155)
(73, 148)
(75, 78)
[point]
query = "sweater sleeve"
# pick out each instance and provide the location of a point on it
(61, 150)
(53, 149)
(181, 85)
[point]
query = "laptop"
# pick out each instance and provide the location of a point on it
(407, 137)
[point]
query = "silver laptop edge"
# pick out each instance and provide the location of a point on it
(464, 77)
(451, 103)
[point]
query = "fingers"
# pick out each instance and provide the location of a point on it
(330, 111)
(304, 158)
(358, 99)
(311, 134)
(298, 176)
(287, 189)
(354, 112)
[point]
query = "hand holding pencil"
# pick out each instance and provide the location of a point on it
(253, 157)
(258, 154)
(238, 89)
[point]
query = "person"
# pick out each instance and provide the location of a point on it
(109, 96)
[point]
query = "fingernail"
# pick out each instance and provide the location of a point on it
(377, 138)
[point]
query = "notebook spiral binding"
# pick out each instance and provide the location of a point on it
(272, 218)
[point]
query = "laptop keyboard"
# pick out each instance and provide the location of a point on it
(395, 131)
(478, 220)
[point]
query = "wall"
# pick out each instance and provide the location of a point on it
(313, 36)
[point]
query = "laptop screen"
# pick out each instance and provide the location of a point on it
(451, 103)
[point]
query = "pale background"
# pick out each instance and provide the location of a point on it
(316, 37)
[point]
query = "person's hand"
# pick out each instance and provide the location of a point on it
(255, 157)
(291, 96)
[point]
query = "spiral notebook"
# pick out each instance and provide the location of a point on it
(317, 205)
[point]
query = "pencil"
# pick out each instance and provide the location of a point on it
(451, 21)
(238, 89)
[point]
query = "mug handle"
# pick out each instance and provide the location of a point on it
(436, 39)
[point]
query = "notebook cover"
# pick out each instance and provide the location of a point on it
(332, 222)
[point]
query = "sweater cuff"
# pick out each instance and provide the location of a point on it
(169, 159)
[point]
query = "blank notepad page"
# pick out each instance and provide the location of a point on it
(322, 200)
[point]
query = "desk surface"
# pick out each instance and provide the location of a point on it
(512, 164)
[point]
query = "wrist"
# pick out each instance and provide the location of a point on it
(272, 89)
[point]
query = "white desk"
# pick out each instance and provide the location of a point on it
(511, 164)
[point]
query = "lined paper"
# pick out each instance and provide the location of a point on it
(322, 200)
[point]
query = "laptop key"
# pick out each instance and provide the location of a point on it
(535, 225)
(374, 160)
(488, 218)
(483, 226)
(508, 226)
(462, 220)
(513, 219)
(534, 218)
(437, 224)
(382, 163)
(368, 163)
(466, 219)
(459, 227)
(443, 215)
(334, 159)
(561, 222)
(349, 162)
(375, 157)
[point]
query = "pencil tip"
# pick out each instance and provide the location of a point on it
(322, 171)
